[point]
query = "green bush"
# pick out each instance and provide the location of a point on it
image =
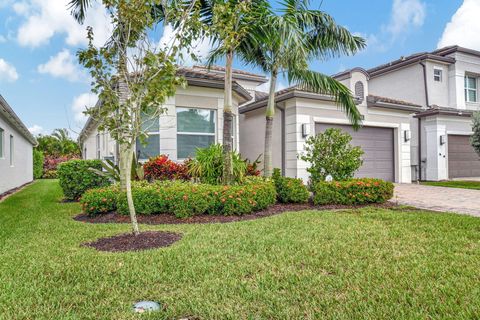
(290, 190)
(100, 200)
(76, 177)
(330, 153)
(38, 159)
(207, 167)
(50, 174)
(351, 192)
(185, 199)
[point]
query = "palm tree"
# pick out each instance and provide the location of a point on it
(286, 43)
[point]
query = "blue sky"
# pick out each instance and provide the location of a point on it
(41, 80)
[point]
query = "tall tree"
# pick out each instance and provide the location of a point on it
(132, 76)
(475, 139)
(285, 44)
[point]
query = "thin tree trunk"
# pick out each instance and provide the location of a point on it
(227, 122)
(131, 206)
(269, 115)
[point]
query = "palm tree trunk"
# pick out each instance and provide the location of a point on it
(227, 121)
(269, 115)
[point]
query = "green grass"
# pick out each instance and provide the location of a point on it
(359, 264)
(454, 184)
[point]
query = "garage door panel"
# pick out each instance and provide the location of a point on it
(377, 144)
(463, 161)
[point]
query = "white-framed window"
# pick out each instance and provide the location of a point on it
(12, 150)
(471, 89)
(151, 146)
(2, 143)
(196, 128)
(437, 74)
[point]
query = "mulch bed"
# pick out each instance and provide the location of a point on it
(5, 195)
(202, 219)
(129, 242)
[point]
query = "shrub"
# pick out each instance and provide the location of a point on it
(355, 191)
(186, 199)
(207, 167)
(76, 177)
(50, 174)
(162, 168)
(330, 153)
(38, 159)
(290, 190)
(100, 200)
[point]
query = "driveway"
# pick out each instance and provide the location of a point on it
(443, 199)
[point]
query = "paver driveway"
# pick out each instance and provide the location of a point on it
(457, 200)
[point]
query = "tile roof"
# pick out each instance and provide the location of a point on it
(374, 99)
(222, 69)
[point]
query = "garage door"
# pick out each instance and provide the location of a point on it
(377, 143)
(462, 160)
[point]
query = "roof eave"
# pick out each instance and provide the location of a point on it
(15, 121)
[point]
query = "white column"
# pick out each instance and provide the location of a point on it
(436, 153)
(405, 170)
(168, 129)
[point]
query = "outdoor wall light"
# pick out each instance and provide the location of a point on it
(407, 135)
(443, 140)
(305, 129)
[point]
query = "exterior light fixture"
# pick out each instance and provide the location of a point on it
(407, 136)
(305, 129)
(443, 140)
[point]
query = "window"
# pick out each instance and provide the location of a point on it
(437, 75)
(470, 89)
(151, 145)
(98, 145)
(2, 143)
(195, 129)
(12, 150)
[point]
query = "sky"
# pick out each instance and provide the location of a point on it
(42, 81)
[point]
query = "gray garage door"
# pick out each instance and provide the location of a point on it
(462, 160)
(377, 143)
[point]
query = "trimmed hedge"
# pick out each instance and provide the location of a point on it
(38, 159)
(352, 192)
(290, 190)
(76, 177)
(184, 199)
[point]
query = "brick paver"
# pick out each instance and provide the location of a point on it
(464, 201)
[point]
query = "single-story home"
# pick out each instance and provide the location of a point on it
(16, 150)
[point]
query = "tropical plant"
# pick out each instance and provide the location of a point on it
(208, 165)
(475, 139)
(111, 171)
(162, 168)
(58, 144)
(330, 153)
(132, 76)
(285, 43)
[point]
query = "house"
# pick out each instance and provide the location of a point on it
(416, 118)
(192, 120)
(16, 150)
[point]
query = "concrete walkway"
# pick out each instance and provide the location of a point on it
(464, 201)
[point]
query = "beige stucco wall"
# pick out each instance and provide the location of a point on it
(252, 136)
(191, 97)
(21, 172)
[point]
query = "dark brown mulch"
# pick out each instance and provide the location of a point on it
(67, 201)
(129, 242)
(5, 195)
(171, 219)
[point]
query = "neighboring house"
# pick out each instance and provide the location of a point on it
(193, 118)
(416, 118)
(16, 150)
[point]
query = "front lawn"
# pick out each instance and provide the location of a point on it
(358, 264)
(454, 184)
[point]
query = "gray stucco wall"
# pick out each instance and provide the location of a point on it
(21, 172)
(402, 84)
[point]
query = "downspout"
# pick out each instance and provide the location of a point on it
(422, 63)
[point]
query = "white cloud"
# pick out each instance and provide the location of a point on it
(2, 39)
(35, 129)
(406, 14)
(63, 65)
(7, 71)
(200, 47)
(45, 19)
(463, 29)
(80, 104)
